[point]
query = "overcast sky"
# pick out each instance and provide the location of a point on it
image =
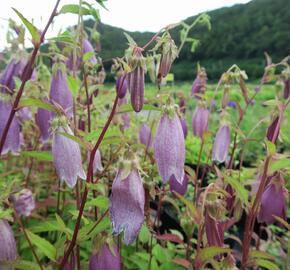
(132, 15)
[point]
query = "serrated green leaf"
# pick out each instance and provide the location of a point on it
(74, 9)
(277, 165)
(260, 254)
(43, 245)
(40, 155)
(31, 28)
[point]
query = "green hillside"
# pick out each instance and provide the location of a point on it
(240, 34)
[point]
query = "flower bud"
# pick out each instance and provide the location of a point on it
(105, 259)
(8, 251)
(200, 121)
(24, 202)
(12, 142)
(43, 118)
(145, 136)
(286, 93)
(274, 130)
(66, 156)
(184, 126)
(127, 204)
(136, 80)
(60, 93)
(199, 84)
(177, 187)
(169, 148)
(273, 202)
(7, 83)
(97, 164)
(121, 86)
(221, 144)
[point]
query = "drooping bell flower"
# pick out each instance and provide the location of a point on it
(177, 187)
(274, 130)
(200, 121)
(7, 83)
(273, 202)
(221, 144)
(12, 142)
(127, 203)
(169, 148)
(97, 164)
(214, 231)
(19, 69)
(8, 251)
(145, 136)
(105, 259)
(184, 126)
(286, 93)
(66, 155)
(168, 55)
(136, 79)
(88, 48)
(43, 118)
(121, 86)
(199, 84)
(23, 202)
(60, 93)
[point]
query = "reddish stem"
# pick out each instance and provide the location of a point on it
(88, 180)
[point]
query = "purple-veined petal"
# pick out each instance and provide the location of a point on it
(145, 136)
(67, 157)
(200, 121)
(24, 202)
(127, 205)
(221, 144)
(169, 148)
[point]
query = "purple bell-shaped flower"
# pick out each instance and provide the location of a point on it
(12, 142)
(169, 148)
(121, 86)
(127, 204)
(200, 121)
(43, 119)
(8, 251)
(136, 80)
(67, 156)
(105, 259)
(184, 126)
(273, 201)
(145, 136)
(60, 93)
(221, 144)
(23, 202)
(177, 187)
(97, 164)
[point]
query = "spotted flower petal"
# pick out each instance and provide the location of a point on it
(169, 148)
(67, 157)
(127, 205)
